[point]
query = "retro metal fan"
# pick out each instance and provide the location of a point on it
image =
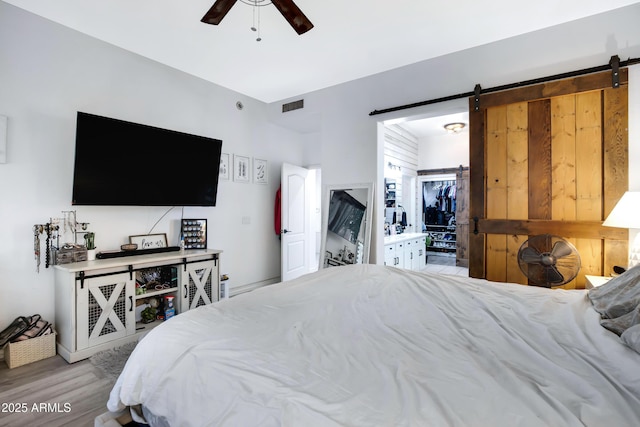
(548, 260)
(287, 8)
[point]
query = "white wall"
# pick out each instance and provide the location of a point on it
(447, 151)
(47, 73)
(401, 164)
(351, 148)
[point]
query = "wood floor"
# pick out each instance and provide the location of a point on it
(52, 393)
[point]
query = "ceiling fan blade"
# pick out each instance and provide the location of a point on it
(561, 249)
(293, 15)
(530, 255)
(217, 11)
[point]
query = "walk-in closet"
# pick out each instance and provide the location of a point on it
(444, 199)
(422, 188)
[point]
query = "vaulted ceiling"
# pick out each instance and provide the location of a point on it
(351, 39)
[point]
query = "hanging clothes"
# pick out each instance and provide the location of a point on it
(442, 195)
(453, 198)
(277, 212)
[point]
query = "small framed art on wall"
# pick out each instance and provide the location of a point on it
(241, 170)
(260, 171)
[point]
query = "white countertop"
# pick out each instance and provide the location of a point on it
(402, 237)
(138, 260)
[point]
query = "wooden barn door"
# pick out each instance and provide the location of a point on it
(462, 218)
(550, 158)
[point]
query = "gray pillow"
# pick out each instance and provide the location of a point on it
(622, 323)
(618, 301)
(631, 337)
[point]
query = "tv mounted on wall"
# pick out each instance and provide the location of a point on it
(119, 163)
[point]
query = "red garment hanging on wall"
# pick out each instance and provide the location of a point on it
(277, 213)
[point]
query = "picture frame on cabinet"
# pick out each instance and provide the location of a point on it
(260, 171)
(241, 168)
(149, 241)
(224, 167)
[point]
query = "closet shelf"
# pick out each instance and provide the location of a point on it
(438, 234)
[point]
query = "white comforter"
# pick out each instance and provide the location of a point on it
(377, 346)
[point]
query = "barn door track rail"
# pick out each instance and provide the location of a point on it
(614, 65)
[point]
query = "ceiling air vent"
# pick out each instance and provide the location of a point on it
(295, 105)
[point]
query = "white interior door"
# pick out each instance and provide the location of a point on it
(295, 196)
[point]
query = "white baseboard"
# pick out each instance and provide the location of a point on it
(237, 290)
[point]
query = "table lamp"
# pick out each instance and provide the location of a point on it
(626, 214)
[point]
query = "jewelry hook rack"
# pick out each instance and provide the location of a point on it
(52, 230)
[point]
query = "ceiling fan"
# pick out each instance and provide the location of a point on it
(287, 8)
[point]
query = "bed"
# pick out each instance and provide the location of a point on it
(368, 345)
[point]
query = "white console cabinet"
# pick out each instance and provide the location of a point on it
(406, 251)
(96, 300)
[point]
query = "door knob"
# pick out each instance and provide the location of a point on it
(285, 231)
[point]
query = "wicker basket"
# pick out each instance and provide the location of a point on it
(31, 350)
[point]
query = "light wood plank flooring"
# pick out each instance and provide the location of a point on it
(75, 393)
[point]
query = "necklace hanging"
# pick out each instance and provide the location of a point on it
(36, 245)
(47, 249)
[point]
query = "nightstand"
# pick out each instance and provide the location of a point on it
(595, 281)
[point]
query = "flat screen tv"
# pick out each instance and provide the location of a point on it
(119, 163)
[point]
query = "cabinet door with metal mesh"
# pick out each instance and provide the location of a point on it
(105, 309)
(200, 285)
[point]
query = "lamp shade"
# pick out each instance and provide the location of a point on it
(626, 213)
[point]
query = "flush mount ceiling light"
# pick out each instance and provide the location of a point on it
(454, 127)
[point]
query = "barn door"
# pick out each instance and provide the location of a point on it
(549, 158)
(462, 217)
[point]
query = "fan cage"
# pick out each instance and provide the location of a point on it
(549, 266)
